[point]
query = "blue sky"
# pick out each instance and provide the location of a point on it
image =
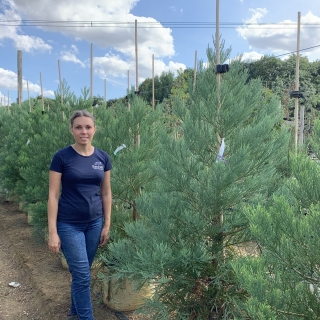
(167, 29)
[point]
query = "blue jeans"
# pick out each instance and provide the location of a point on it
(79, 244)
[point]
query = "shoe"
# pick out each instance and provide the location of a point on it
(72, 317)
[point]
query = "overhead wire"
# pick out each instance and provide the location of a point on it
(280, 55)
(148, 24)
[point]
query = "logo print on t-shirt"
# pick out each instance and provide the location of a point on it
(98, 166)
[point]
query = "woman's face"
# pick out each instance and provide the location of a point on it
(83, 130)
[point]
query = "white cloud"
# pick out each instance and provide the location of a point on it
(8, 81)
(251, 56)
(281, 37)
(70, 56)
(13, 32)
(111, 66)
(118, 34)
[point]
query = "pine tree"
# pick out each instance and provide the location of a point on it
(194, 215)
(284, 283)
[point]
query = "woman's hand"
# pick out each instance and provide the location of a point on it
(54, 242)
(104, 237)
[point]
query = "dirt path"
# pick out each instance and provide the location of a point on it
(44, 285)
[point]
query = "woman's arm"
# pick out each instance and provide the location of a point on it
(106, 196)
(54, 193)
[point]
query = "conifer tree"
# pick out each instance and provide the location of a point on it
(129, 135)
(284, 283)
(194, 215)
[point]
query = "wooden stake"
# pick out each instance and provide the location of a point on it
(301, 128)
(91, 71)
(218, 74)
(41, 92)
(136, 50)
(105, 91)
(28, 96)
(8, 101)
(296, 102)
(128, 89)
(19, 77)
(195, 70)
(60, 81)
(153, 103)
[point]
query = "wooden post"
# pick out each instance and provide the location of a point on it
(60, 81)
(136, 50)
(8, 101)
(105, 91)
(218, 74)
(28, 96)
(128, 88)
(19, 77)
(195, 70)
(296, 104)
(153, 102)
(42, 93)
(91, 71)
(301, 128)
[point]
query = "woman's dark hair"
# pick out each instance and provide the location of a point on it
(81, 113)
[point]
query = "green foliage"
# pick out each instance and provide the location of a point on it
(279, 76)
(181, 244)
(284, 282)
(137, 129)
(162, 87)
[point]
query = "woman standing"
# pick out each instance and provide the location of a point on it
(79, 217)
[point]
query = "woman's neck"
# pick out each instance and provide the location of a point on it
(85, 150)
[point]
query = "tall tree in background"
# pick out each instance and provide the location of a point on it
(162, 87)
(279, 76)
(182, 243)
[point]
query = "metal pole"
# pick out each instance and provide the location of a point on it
(296, 102)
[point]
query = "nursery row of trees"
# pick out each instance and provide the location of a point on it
(184, 203)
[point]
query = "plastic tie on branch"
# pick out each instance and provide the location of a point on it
(221, 151)
(221, 68)
(119, 148)
(297, 94)
(28, 142)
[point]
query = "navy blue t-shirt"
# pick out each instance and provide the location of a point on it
(80, 200)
